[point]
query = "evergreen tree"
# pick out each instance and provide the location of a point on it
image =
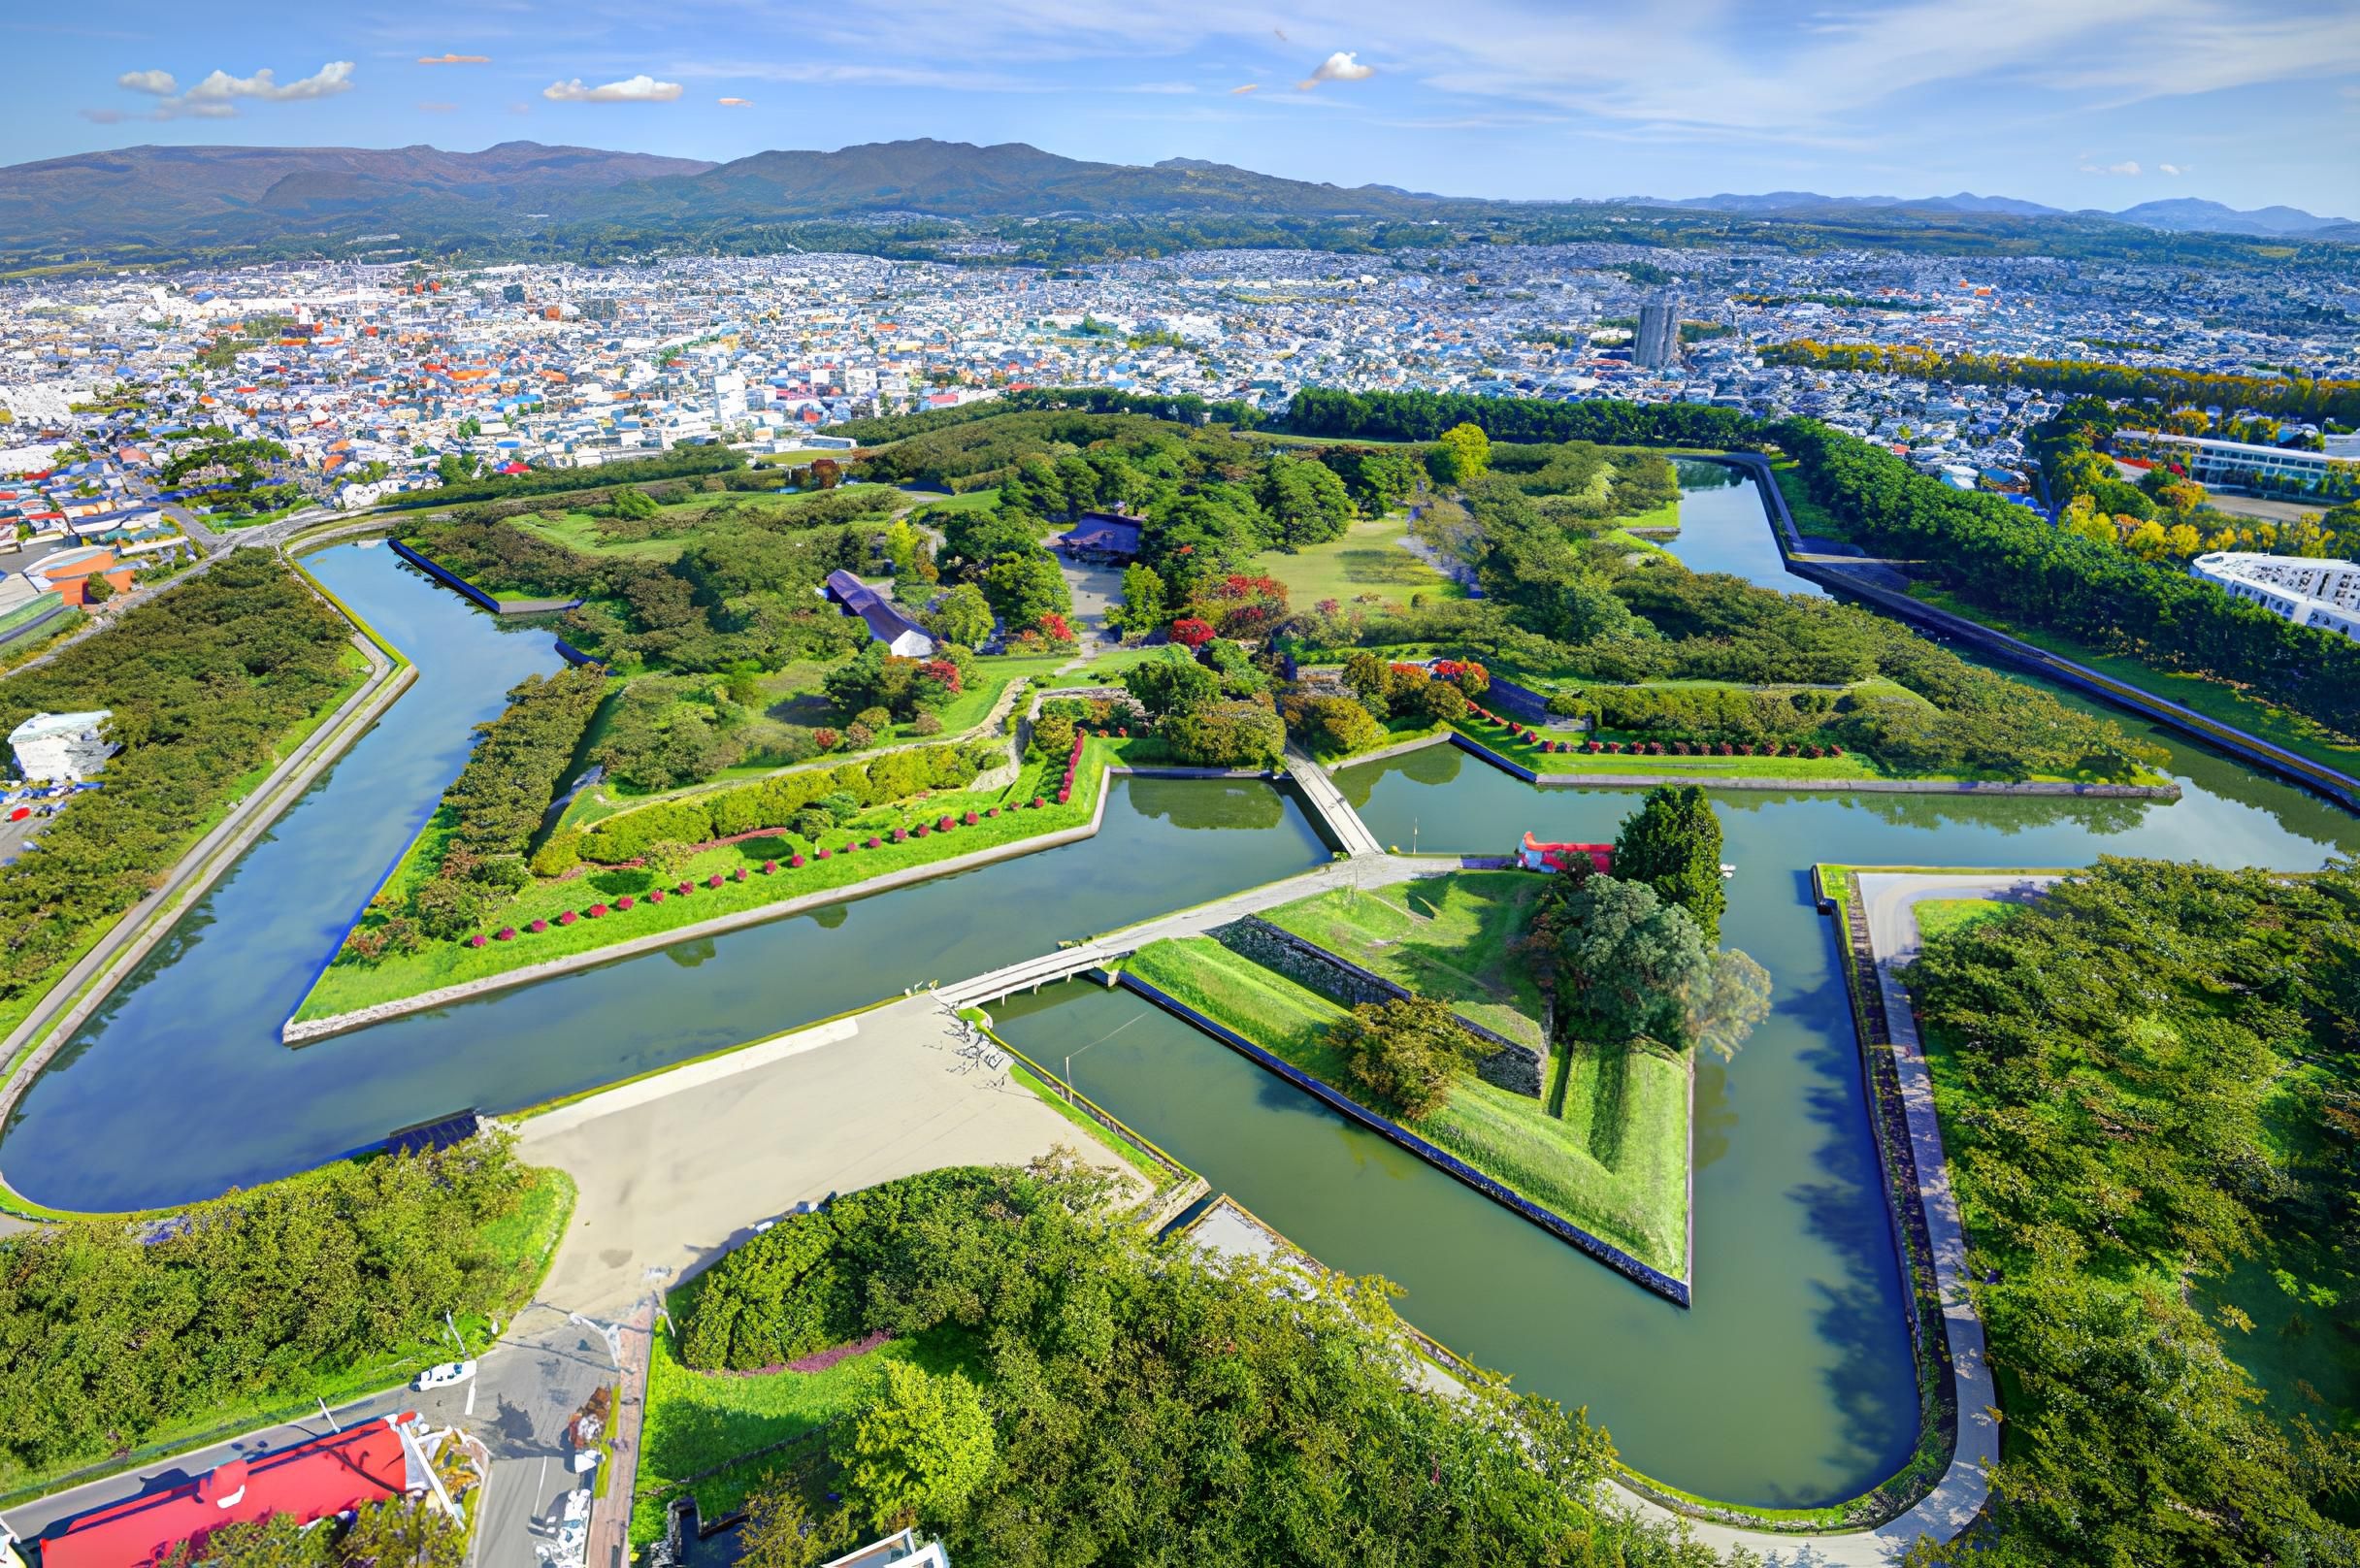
(1672, 843)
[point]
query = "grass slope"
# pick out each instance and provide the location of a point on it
(1447, 938)
(1619, 1172)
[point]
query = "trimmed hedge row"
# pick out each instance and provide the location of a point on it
(772, 803)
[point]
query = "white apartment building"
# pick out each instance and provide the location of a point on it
(2302, 589)
(2211, 461)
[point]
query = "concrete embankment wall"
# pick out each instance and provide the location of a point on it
(451, 580)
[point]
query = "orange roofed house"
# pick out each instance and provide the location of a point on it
(69, 573)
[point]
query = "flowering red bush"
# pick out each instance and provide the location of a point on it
(685, 889)
(993, 812)
(738, 875)
(476, 940)
(1190, 633)
(1063, 795)
(900, 835)
(767, 867)
(713, 881)
(820, 850)
(947, 824)
(1038, 802)
(1654, 748)
(943, 670)
(869, 843)
(970, 819)
(537, 927)
(825, 739)
(795, 860)
(1054, 628)
(1812, 752)
(623, 902)
(1835, 751)
(655, 894)
(568, 918)
(595, 910)
(505, 933)
(1124, 732)
(1592, 747)
(920, 829)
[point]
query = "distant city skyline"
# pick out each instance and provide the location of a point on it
(2073, 103)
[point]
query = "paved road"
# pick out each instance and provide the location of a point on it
(526, 1390)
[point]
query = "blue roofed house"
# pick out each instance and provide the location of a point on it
(1102, 535)
(886, 623)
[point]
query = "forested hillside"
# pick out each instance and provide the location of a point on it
(2148, 1081)
(206, 682)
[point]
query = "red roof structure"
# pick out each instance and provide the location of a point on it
(311, 1480)
(1535, 856)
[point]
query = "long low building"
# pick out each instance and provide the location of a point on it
(2303, 589)
(2212, 460)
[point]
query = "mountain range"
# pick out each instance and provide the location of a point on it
(159, 203)
(2181, 214)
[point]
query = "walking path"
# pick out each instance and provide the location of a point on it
(1031, 974)
(1327, 802)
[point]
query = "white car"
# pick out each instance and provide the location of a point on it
(443, 1376)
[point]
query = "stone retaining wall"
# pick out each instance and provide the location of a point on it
(1509, 1065)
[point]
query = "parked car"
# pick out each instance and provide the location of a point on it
(443, 1376)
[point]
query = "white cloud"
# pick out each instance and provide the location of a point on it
(1173, 89)
(2128, 167)
(1341, 66)
(734, 103)
(640, 89)
(448, 58)
(221, 87)
(216, 96)
(2175, 170)
(1251, 86)
(433, 106)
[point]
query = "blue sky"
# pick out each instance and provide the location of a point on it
(2079, 103)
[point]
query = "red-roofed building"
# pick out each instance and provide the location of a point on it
(312, 1480)
(1534, 856)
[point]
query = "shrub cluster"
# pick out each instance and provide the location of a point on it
(775, 801)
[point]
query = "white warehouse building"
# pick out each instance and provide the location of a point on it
(61, 747)
(2303, 589)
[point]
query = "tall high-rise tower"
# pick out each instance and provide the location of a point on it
(1658, 342)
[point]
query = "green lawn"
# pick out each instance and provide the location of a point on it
(578, 531)
(1107, 669)
(1664, 519)
(1445, 936)
(1618, 1169)
(1939, 917)
(1809, 515)
(350, 984)
(2213, 699)
(698, 1422)
(1368, 559)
